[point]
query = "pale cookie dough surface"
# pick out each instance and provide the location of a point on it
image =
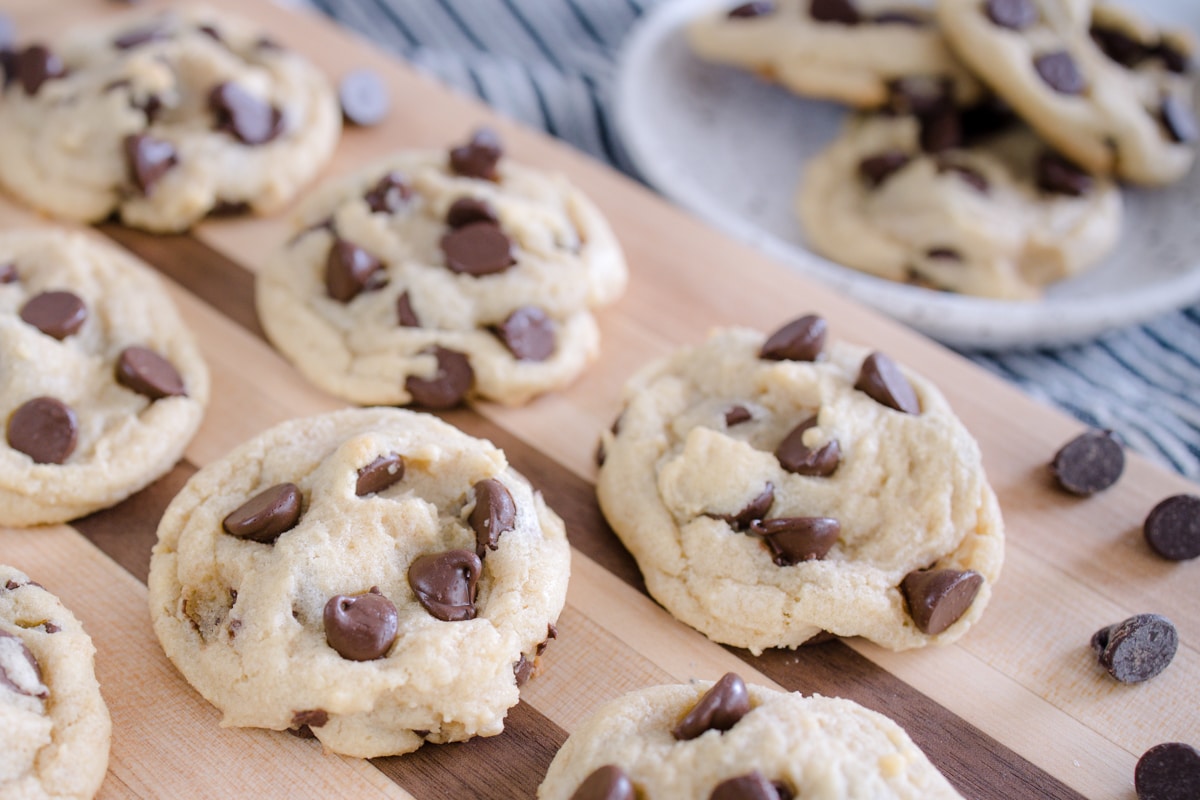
(566, 261)
(909, 493)
(54, 725)
(64, 149)
(992, 231)
(1134, 121)
(818, 748)
(851, 63)
(244, 622)
(124, 439)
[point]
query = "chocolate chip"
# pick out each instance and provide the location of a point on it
(480, 248)
(796, 539)
(839, 11)
(361, 627)
(795, 456)
(303, 732)
(404, 312)
(753, 511)
(1173, 59)
(1089, 463)
(985, 119)
(381, 473)
(751, 786)
(736, 415)
(19, 669)
(719, 709)
(389, 194)
(1172, 529)
(494, 513)
(35, 65)
(465, 210)
(449, 384)
(364, 97)
(312, 718)
(884, 383)
(968, 175)
(1168, 771)
(1121, 48)
(8, 273)
(1059, 71)
(528, 334)
(211, 32)
(605, 783)
(1014, 14)
(1057, 175)
(801, 339)
(8, 65)
(251, 120)
(941, 131)
(228, 208)
(943, 254)
(141, 36)
(45, 429)
(938, 597)
(445, 583)
(57, 314)
(147, 373)
(876, 169)
(758, 8)
(351, 270)
(899, 18)
(523, 670)
(1179, 120)
(266, 515)
(920, 95)
(1136, 649)
(479, 157)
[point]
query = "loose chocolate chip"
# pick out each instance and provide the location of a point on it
(941, 131)
(796, 539)
(1121, 48)
(1172, 529)
(364, 97)
(1057, 175)
(751, 786)
(938, 597)
(494, 513)
(361, 627)
(1173, 59)
(266, 515)
(141, 36)
(884, 383)
(899, 18)
(528, 334)
(1014, 14)
(753, 511)
(943, 254)
(758, 8)
(968, 175)
(465, 210)
(251, 120)
(1179, 120)
(312, 718)
(605, 783)
(147, 373)
(480, 248)
(1168, 771)
(351, 270)
(718, 710)
(801, 339)
(874, 170)
(839, 11)
(1136, 649)
(920, 95)
(57, 314)
(1089, 463)
(45, 429)
(795, 456)
(8, 273)
(479, 157)
(404, 312)
(19, 669)
(381, 473)
(523, 670)
(445, 583)
(449, 384)
(35, 65)
(389, 194)
(736, 415)
(1060, 72)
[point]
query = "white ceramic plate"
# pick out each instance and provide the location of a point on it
(731, 148)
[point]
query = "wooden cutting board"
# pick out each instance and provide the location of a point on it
(1018, 708)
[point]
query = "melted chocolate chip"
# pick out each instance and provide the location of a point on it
(389, 194)
(351, 270)
(757, 8)
(736, 415)
(1172, 529)
(1057, 175)
(465, 210)
(796, 539)
(1179, 120)
(1120, 47)
(35, 65)
(478, 249)
(479, 157)
(384, 471)
(404, 312)
(884, 383)
(251, 120)
(364, 97)
(445, 583)
(1089, 463)
(1060, 72)
(528, 334)
(802, 339)
(751, 786)
(719, 709)
(8, 273)
(795, 456)
(1168, 771)
(753, 511)
(19, 669)
(149, 374)
(57, 314)
(1136, 649)
(494, 513)
(361, 627)
(875, 170)
(45, 429)
(266, 515)
(839, 11)
(449, 384)
(938, 597)
(941, 131)
(1016, 15)
(140, 36)
(605, 783)
(312, 718)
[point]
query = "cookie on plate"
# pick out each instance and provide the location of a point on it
(772, 489)
(54, 726)
(932, 200)
(852, 51)
(727, 740)
(163, 117)
(433, 276)
(373, 576)
(103, 384)
(1104, 87)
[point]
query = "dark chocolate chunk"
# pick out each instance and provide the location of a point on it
(938, 597)
(465, 210)
(266, 515)
(351, 270)
(528, 334)
(751, 786)
(381, 473)
(1014, 14)
(719, 709)
(480, 248)
(1179, 120)
(757, 8)
(797, 457)
(251, 120)
(839, 11)
(736, 415)
(968, 175)
(796, 539)
(139, 36)
(449, 384)
(1120, 47)
(147, 373)
(364, 97)
(801, 339)
(57, 314)
(445, 583)
(876, 169)
(1060, 72)
(1172, 529)
(404, 312)
(1136, 649)
(45, 429)
(941, 131)
(1058, 175)
(361, 627)
(494, 513)
(389, 194)
(1168, 771)
(16, 678)
(605, 783)
(8, 273)
(479, 157)
(312, 718)
(35, 65)
(985, 119)
(753, 511)
(1089, 463)
(884, 383)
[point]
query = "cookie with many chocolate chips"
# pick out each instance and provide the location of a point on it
(103, 385)
(162, 117)
(54, 725)
(741, 741)
(845, 497)
(432, 277)
(374, 576)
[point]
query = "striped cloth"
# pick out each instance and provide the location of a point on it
(550, 64)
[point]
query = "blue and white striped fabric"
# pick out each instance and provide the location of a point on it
(550, 64)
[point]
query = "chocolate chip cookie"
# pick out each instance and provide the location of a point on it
(374, 577)
(103, 385)
(163, 117)
(774, 488)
